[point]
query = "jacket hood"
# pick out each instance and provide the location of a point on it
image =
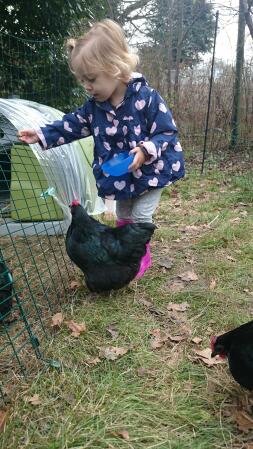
(137, 80)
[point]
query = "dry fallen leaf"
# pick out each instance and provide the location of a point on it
(196, 340)
(3, 418)
(176, 338)
(205, 356)
(113, 331)
(176, 286)
(165, 262)
(112, 352)
(57, 319)
(75, 284)
(212, 284)
(34, 400)
(178, 307)
(157, 343)
(76, 328)
(246, 290)
(93, 362)
(178, 318)
(231, 258)
(151, 307)
(162, 337)
(122, 434)
(155, 332)
(145, 302)
(188, 276)
(159, 340)
(69, 398)
(146, 372)
(191, 228)
(243, 420)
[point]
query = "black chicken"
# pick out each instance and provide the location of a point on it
(109, 257)
(6, 285)
(237, 346)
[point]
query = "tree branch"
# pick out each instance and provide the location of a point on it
(188, 29)
(132, 7)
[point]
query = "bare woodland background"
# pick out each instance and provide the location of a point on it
(171, 38)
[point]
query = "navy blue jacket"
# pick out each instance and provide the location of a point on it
(142, 117)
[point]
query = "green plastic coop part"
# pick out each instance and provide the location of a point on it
(28, 183)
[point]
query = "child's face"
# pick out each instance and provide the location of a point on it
(100, 85)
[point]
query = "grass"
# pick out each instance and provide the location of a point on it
(163, 398)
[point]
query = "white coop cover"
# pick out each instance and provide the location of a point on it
(66, 168)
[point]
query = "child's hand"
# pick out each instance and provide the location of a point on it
(139, 158)
(28, 136)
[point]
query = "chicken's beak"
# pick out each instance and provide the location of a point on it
(214, 353)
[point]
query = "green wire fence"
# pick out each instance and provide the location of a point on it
(38, 71)
(34, 270)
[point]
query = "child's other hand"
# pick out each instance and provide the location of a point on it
(28, 136)
(139, 158)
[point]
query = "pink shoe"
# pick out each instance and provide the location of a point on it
(146, 263)
(146, 260)
(123, 222)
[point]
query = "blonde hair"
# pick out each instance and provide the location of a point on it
(102, 48)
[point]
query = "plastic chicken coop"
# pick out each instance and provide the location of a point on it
(35, 272)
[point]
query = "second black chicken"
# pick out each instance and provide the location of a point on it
(237, 346)
(109, 257)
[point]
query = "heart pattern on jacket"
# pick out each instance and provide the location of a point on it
(111, 131)
(140, 104)
(120, 185)
(153, 182)
(176, 166)
(67, 127)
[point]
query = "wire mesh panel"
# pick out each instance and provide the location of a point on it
(36, 70)
(34, 271)
(190, 105)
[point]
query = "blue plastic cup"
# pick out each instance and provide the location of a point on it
(118, 165)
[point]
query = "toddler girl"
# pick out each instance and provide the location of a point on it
(122, 114)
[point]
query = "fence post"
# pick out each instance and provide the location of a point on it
(210, 93)
(238, 76)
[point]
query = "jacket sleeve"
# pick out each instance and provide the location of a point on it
(73, 126)
(162, 128)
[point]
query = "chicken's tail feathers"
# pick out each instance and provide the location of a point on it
(133, 236)
(146, 225)
(147, 229)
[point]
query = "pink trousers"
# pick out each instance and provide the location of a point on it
(146, 260)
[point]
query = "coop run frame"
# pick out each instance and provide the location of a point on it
(34, 269)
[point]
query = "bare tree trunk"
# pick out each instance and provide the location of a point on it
(179, 49)
(169, 48)
(246, 5)
(169, 67)
(238, 76)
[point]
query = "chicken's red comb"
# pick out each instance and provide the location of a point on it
(213, 341)
(75, 203)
